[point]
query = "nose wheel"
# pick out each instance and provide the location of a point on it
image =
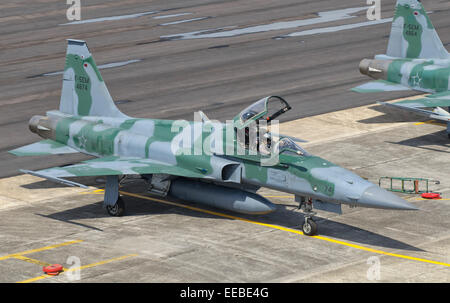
(309, 227)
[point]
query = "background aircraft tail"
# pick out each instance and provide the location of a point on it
(84, 92)
(413, 35)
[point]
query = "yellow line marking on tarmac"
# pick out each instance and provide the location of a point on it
(79, 268)
(34, 279)
(33, 261)
(102, 262)
(432, 199)
(39, 249)
(287, 229)
(433, 122)
(94, 192)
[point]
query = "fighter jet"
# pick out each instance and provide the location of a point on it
(170, 157)
(415, 59)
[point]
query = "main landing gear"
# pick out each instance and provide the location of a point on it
(116, 210)
(113, 203)
(309, 227)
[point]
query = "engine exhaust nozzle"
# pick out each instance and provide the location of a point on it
(42, 126)
(376, 69)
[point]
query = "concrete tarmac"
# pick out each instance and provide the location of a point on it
(167, 69)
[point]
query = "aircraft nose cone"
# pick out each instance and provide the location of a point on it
(377, 197)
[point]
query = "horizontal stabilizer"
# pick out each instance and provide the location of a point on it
(114, 166)
(425, 102)
(42, 148)
(379, 86)
(408, 108)
(436, 101)
(53, 179)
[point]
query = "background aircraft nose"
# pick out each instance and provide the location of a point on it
(377, 197)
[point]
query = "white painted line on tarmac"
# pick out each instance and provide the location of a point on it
(112, 18)
(171, 16)
(185, 20)
(328, 16)
(333, 29)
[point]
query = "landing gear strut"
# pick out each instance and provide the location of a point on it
(113, 203)
(309, 227)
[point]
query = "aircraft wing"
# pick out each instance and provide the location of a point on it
(435, 101)
(42, 148)
(111, 166)
(379, 86)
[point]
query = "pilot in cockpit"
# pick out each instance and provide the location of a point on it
(253, 136)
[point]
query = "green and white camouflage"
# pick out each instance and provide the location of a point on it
(415, 59)
(202, 161)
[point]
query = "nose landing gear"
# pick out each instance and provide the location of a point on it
(309, 227)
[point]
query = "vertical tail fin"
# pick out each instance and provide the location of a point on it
(84, 92)
(413, 35)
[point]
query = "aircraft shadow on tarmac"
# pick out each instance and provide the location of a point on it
(134, 207)
(391, 115)
(428, 142)
(328, 228)
(284, 217)
(44, 184)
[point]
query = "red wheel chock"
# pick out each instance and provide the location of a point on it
(53, 270)
(431, 196)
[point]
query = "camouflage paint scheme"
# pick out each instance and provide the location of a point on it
(415, 59)
(89, 122)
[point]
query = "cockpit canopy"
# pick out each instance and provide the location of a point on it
(265, 109)
(252, 134)
(288, 147)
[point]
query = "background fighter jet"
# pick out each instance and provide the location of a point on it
(89, 122)
(415, 59)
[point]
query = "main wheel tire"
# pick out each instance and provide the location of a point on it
(116, 210)
(309, 227)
